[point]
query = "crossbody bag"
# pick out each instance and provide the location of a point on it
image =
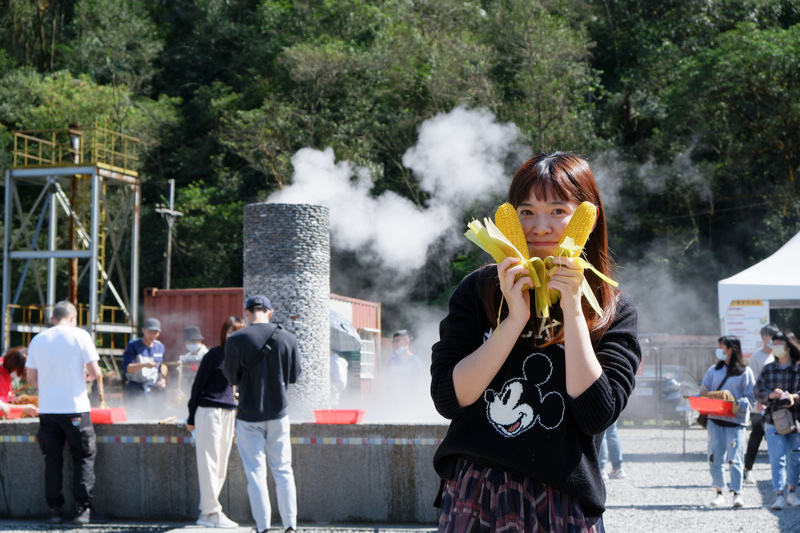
(265, 350)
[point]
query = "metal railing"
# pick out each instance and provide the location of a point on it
(73, 146)
(30, 320)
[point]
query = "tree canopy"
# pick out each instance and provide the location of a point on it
(688, 110)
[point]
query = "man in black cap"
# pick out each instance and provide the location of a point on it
(262, 360)
(142, 369)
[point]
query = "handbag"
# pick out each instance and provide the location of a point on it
(784, 421)
(783, 416)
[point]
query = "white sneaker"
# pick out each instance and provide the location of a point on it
(737, 500)
(617, 474)
(718, 501)
(224, 522)
(780, 503)
(217, 520)
(793, 500)
(748, 478)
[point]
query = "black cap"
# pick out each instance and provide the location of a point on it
(258, 301)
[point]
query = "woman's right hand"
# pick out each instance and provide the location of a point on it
(775, 394)
(515, 291)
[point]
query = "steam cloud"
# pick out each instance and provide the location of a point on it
(459, 161)
(459, 157)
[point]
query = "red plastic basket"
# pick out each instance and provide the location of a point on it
(15, 411)
(338, 416)
(710, 406)
(108, 416)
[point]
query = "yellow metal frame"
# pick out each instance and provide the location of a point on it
(99, 146)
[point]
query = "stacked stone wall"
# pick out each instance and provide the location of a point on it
(287, 258)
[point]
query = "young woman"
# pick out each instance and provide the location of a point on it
(726, 433)
(778, 386)
(529, 398)
(212, 415)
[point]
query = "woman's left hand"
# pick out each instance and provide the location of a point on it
(566, 276)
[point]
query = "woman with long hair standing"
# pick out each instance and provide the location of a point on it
(529, 397)
(726, 433)
(778, 387)
(212, 417)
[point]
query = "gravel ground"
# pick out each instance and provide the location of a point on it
(667, 489)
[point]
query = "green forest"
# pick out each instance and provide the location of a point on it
(420, 111)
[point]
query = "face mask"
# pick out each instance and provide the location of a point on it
(720, 354)
(779, 351)
(193, 346)
(14, 375)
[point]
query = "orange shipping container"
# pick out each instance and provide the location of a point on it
(208, 308)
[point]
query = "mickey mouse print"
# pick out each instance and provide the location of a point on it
(521, 402)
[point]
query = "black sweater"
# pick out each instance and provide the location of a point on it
(210, 388)
(526, 422)
(262, 388)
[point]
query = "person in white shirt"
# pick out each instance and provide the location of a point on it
(338, 372)
(60, 360)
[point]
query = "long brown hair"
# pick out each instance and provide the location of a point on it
(567, 177)
(231, 322)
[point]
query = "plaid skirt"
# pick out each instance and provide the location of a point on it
(486, 499)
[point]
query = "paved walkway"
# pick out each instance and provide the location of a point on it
(667, 489)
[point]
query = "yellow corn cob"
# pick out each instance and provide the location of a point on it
(581, 224)
(507, 221)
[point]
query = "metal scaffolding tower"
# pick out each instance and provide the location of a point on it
(72, 201)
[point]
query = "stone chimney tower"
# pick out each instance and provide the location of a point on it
(287, 258)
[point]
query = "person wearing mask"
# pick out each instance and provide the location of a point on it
(726, 433)
(405, 375)
(530, 396)
(778, 387)
(212, 417)
(189, 363)
(757, 361)
(403, 363)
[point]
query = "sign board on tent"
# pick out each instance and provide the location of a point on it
(773, 280)
(744, 319)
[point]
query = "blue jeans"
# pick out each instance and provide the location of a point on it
(259, 444)
(779, 448)
(611, 445)
(726, 445)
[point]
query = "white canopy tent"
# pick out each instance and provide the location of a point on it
(776, 279)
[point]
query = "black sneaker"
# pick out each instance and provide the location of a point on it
(56, 515)
(88, 515)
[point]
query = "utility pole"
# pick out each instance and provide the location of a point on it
(170, 214)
